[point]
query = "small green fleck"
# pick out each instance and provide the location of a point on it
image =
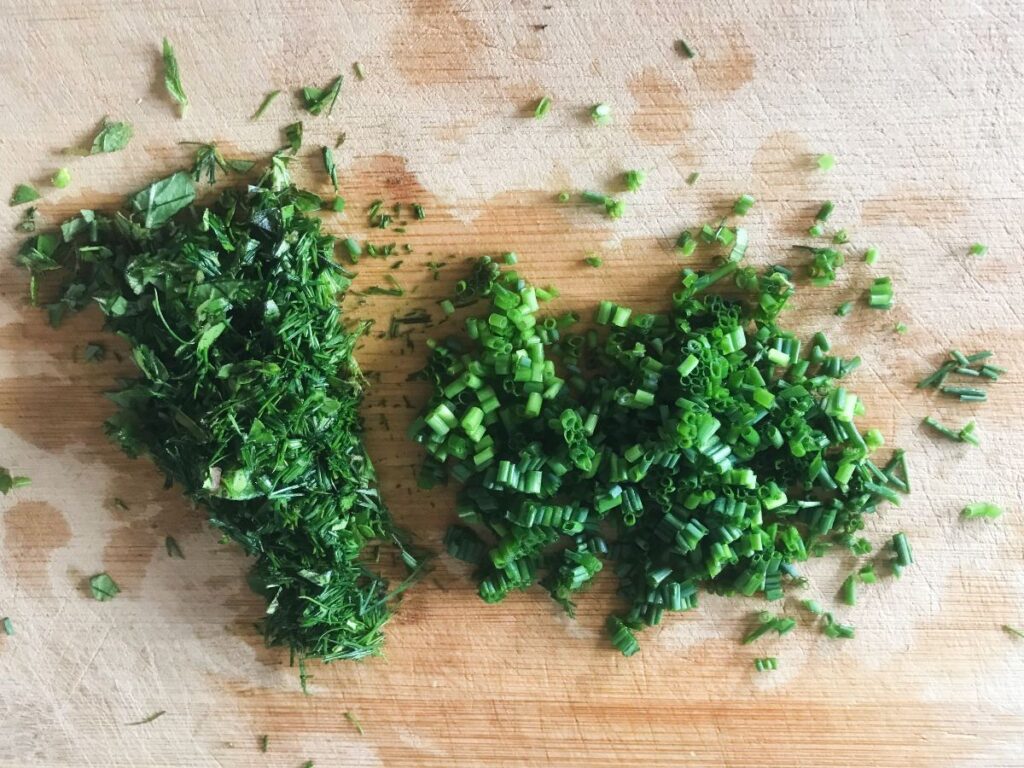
(173, 550)
(267, 100)
(542, 108)
(317, 99)
(977, 249)
(844, 309)
(358, 69)
(1013, 631)
(871, 255)
(338, 206)
(826, 162)
(103, 587)
(112, 137)
(840, 237)
(264, 742)
(61, 178)
(350, 716)
(684, 48)
(743, 205)
(692, 178)
(816, 230)
(94, 353)
(900, 328)
(563, 197)
(981, 509)
(593, 261)
(634, 180)
(23, 193)
(601, 114)
(8, 626)
(172, 78)
(614, 208)
(149, 719)
(8, 482)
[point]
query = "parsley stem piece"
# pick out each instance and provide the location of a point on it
(172, 78)
(267, 101)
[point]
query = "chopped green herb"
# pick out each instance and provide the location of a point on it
(743, 205)
(359, 71)
(826, 162)
(871, 255)
(840, 237)
(593, 261)
(149, 719)
(692, 178)
(418, 212)
(977, 249)
(634, 180)
(684, 48)
(8, 626)
(351, 717)
(61, 178)
(28, 220)
(824, 264)
(815, 230)
(331, 168)
(264, 742)
(173, 549)
(267, 101)
(901, 547)
(9, 482)
(1011, 631)
(293, 135)
(963, 435)
(880, 294)
(112, 137)
(834, 629)
(162, 199)
(103, 587)
(825, 211)
(601, 114)
(614, 208)
(981, 509)
(23, 193)
(94, 352)
(900, 328)
(338, 205)
(966, 394)
(172, 78)
(209, 160)
(849, 590)
(510, 258)
(563, 197)
(766, 664)
(318, 99)
(542, 108)
(686, 244)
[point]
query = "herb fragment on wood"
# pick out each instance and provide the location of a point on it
(28, 220)
(112, 137)
(331, 168)
(103, 587)
(1013, 631)
(23, 193)
(149, 719)
(61, 178)
(684, 48)
(351, 717)
(162, 199)
(542, 108)
(316, 100)
(981, 509)
(293, 135)
(9, 482)
(264, 742)
(173, 549)
(267, 101)
(94, 352)
(601, 114)
(8, 626)
(359, 71)
(172, 78)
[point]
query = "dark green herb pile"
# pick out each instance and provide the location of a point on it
(248, 393)
(703, 446)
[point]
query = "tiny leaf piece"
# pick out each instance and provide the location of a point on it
(162, 199)
(103, 587)
(61, 178)
(149, 719)
(172, 78)
(318, 99)
(23, 193)
(982, 509)
(112, 137)
(267, 101)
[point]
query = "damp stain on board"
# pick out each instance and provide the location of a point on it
(438, 45)
(33, 532)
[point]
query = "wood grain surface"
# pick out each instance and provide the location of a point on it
(921, 102)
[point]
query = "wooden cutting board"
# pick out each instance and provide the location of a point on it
(920, 102)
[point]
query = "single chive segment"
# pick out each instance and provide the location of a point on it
(542, 108)
(900, 327)
(849, 590)
(826, 162)
(825, 211)
(601, 114)
(766, 664)
(103, 587)
(686, 244)
(634, 180)
(1012, 631)
(563, 197)
(593, 261)
(844, 309)
(172, 78)
(901, 547)
(358, 69)
(840, 237)
(264, 742)
(977, 249)
(684, 48)
(338, 206)
(61, 178)
(692, 178)
(743, 205)
(418, 212)
(8, 626)
(981, 509)
(871, 255)
(510, 258)
(353, 248)
(966, 394)
(880, 295)
(267, 101)
(351, 717)
(815, 230)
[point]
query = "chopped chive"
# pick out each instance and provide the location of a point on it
(23, 193)
(815, 230)
(977, 357)
(173, 548)
(871, 255)
(7, 625)
(593, 261)
(542, 108)
(418, 212)
(1012, 631)
(692, 178)
(940, 429)
(844, 309)
(840, 237)
(601, 114)
(966, 394)
(264, 742)
(684, 48)
(849, 590)
(826, 162)
(563, 197)
(358, 69)
(743, 205)
(901, 547)
(880, 294)
(766, 664)
(351, 717)
(61, 178)
(977, 249)
(353, 248)
(634, 180)
(825, 211)
(900, 327)
(812, 606)
(981, 509)
(338, 206)
(686, 244)
(448, 307)
(510, 258)
(594, 197)
(267, 100)
(614, 208)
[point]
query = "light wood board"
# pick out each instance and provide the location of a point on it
(922, 103)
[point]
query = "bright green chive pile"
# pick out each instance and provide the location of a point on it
(702, 446)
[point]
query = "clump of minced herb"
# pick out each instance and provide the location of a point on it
(700, 446)
(247, 392)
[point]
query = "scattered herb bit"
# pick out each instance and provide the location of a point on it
(766, 664)
(900, 328)
(267, 101)
(812, 606)
(375, 290)
(849, 590)
(871, 255)
(7, 625)
(901, 547)
(686, 244)
(103, 587)
(1008, 629)
(9, 482)
(840, 237)
(684, 48)
(173, 550)
(172, 78)
(563, 197)
(834, 629)
(542, 108)
(119, 503)
(61, 178)
(593, 261)
(28, 220)
(815, 230)
(332, 169)
(23, 193)
(149, 719)
(316, 99)
(418, 212)
(823, 266)
(964, 435)
(350, 716)
(692, 178)
(341, 139)
(94, 352)
(766, 623)
(601, 114)
(826, 162)
(614, 208)
(293, 135)
(634, 180)
(264, 742)
(880, 294)
(308, 764)
(977, 249)
(825, 211)
(338, 205)
(743, 205)
(966, 394)
(112, 137)
(359, 71)
(209, 159)
(162, 199)
(982, 509)
(435, 268)
(713, 469)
